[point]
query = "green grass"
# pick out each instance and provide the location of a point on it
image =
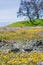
(38, 22)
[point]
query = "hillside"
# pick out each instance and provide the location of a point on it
(21, 45)
(38, 22)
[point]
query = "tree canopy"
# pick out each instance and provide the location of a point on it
(33, 9)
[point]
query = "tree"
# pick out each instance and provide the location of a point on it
(41, 6)
(31, 9)
(37, 6)
(25, 9)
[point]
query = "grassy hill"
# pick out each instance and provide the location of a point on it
(38, 22)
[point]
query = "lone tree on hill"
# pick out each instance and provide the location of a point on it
(31, 8)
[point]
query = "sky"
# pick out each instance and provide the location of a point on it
(8, 11)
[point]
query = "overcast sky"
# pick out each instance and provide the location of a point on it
(8, 11)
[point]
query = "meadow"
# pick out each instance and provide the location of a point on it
(9, 34)
(22, 33)
(32, 58)
(19, 58)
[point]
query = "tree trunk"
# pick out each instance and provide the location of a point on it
(31, 20)
(37, 16)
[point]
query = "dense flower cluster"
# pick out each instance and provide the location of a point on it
(31, 33)
(32, 58)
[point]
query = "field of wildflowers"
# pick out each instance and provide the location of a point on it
(20, 58)
(20, 34)
(32, 58)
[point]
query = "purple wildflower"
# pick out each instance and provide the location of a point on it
(39, 63)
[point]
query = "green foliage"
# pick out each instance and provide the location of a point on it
(38, 22)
